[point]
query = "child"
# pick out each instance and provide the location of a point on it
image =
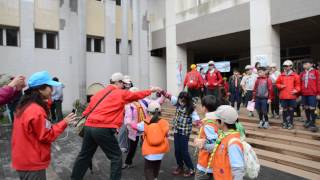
(262, 95)
(288, 84)
(155, 143)
(207, 136)
(185, 115)
(235, 89)
(228, 157)
(310, 90)
(32, 131)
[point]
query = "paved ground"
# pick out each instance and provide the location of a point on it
(65, 151)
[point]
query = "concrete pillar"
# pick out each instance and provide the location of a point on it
(124, 36)
(176, 56)
(264, 38)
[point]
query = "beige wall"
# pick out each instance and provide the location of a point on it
(46, 14)
(95, 18)
(119, 23)
(9, 12)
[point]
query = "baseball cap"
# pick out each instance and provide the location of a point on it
(226, 114)
(117, 77)
(41, 78)
(127, 79)
(287, 63)
(248, 67)
(211, 63)
(153, 106)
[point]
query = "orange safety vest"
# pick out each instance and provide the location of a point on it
(221, 162)
(164, 147)
(204, 155)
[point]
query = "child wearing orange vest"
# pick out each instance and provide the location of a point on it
(207, 136)
(228, 157)
(155, 143)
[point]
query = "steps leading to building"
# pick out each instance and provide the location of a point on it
(294, 151)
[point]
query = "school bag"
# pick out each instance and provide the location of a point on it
(156, 137)
(193, 80)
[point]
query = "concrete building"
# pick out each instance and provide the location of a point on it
(82, 41)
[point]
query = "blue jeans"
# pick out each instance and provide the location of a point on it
(261, 105)
(181, 150)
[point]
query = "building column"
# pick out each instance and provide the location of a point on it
(176, 56)
(264, 38)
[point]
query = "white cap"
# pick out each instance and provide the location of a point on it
(117, 77)
(134, 89)
(273, 65)
(288, 63)
(226, 114)
(153, 106)
(211, 63)
(127, 79)
(248, 67)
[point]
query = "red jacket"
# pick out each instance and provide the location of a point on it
(193, 77)
(213, 78)
(110, 112)
(7, 93)
(32, 136)
(290, 83)
(313, 86)
(261, 82)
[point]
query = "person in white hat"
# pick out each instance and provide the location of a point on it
(274, 74)
(127, 82)
(102, 124)
(213, 80)
(247, 84)
(230, 146)
(288, 84)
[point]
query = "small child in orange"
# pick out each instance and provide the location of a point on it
(155, 143)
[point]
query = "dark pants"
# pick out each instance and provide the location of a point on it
(32, 175)
(132, 150)
(200, 175)
(235, 97)
(106, 140)
(151, 169)
(56, 111)
(261, 105)
(247, 97)
(275, 102)
(194, 92)
(181, 151)
(214, 91)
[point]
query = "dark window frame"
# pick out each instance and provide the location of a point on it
(118, 46)
(15, 41)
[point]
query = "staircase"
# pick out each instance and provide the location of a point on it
(293, 151)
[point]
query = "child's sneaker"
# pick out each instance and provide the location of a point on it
(178, 171)
(290, 126)
(266, 125)
(189, 173)
(261, 124)
(284, 125)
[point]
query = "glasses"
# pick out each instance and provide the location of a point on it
(286, 66)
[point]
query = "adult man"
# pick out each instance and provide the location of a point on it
(274, 74)
(57, 98)
(193, 81)
(288, 84)
(310, 90)
(102, 124)
(247, 83)
(213, 80)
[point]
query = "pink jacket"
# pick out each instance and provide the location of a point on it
(131, 115)
(7, 93)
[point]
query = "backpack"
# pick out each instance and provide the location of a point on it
(156, 137)
(193, 80)
(252, 165)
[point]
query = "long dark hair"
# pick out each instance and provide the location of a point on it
(188, 100)
(32, 95)
(155, 116)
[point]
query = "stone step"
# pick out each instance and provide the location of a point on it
(299, 163)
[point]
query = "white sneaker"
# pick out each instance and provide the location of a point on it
(261, 124)
(266, 125)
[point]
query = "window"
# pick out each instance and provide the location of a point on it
(95, 44)
(38, 39)
(12, 37)
(118, 42)
(118, 2)
(130, 47)
(46, 40)
(1, 38)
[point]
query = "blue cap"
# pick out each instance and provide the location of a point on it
(41, 78)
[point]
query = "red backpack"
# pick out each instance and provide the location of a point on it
(192, 81)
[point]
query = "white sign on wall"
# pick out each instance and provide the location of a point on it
(222, 66)
(262, 59)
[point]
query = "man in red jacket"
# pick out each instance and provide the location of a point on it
(310, 90)
(213, 80)
(193, 81)
(102, 124)
(288, 84)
